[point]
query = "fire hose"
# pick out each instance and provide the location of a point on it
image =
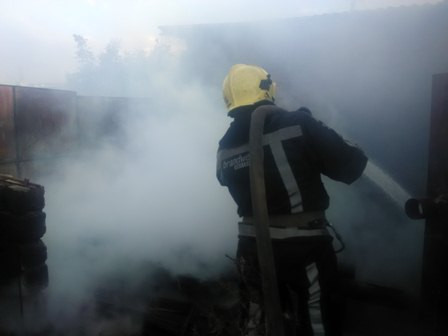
(271, 297)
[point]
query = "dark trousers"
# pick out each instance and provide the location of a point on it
(308, 286)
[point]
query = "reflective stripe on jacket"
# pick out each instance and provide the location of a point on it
(297, 150)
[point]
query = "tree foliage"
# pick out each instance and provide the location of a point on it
(115, 72)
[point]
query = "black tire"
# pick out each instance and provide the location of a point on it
(34, 254)
(36, 278)
(9, 276)
(10, 270)
(19, 256)
(26, 228)
(19, 196)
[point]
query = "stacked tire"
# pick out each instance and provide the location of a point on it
(23, 254)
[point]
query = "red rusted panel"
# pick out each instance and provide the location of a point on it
(7, 144)
(46, 123)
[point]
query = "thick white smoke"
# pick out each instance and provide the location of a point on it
(124, 209)
(157, 190)
(151, 199)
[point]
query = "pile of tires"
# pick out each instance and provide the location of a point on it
(23, 254)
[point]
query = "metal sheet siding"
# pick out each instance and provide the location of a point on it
(46, 123)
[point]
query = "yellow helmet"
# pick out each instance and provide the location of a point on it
(247, 85)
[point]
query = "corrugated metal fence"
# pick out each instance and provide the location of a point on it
(40, 126)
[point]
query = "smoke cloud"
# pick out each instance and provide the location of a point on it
(148, 199)
(142, 201)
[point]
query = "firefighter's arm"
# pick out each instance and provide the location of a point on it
(337, 158)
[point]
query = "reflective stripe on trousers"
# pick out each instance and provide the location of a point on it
(307, 276)
(255, 322)
(314, 309)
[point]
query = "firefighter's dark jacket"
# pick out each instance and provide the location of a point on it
(297, 150)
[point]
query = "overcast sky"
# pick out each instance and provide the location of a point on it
(36, 41)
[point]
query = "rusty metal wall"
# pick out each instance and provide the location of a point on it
(40, 126)
(36, 125)
(46, 124)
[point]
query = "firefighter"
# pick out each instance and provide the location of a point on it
(297, 150)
